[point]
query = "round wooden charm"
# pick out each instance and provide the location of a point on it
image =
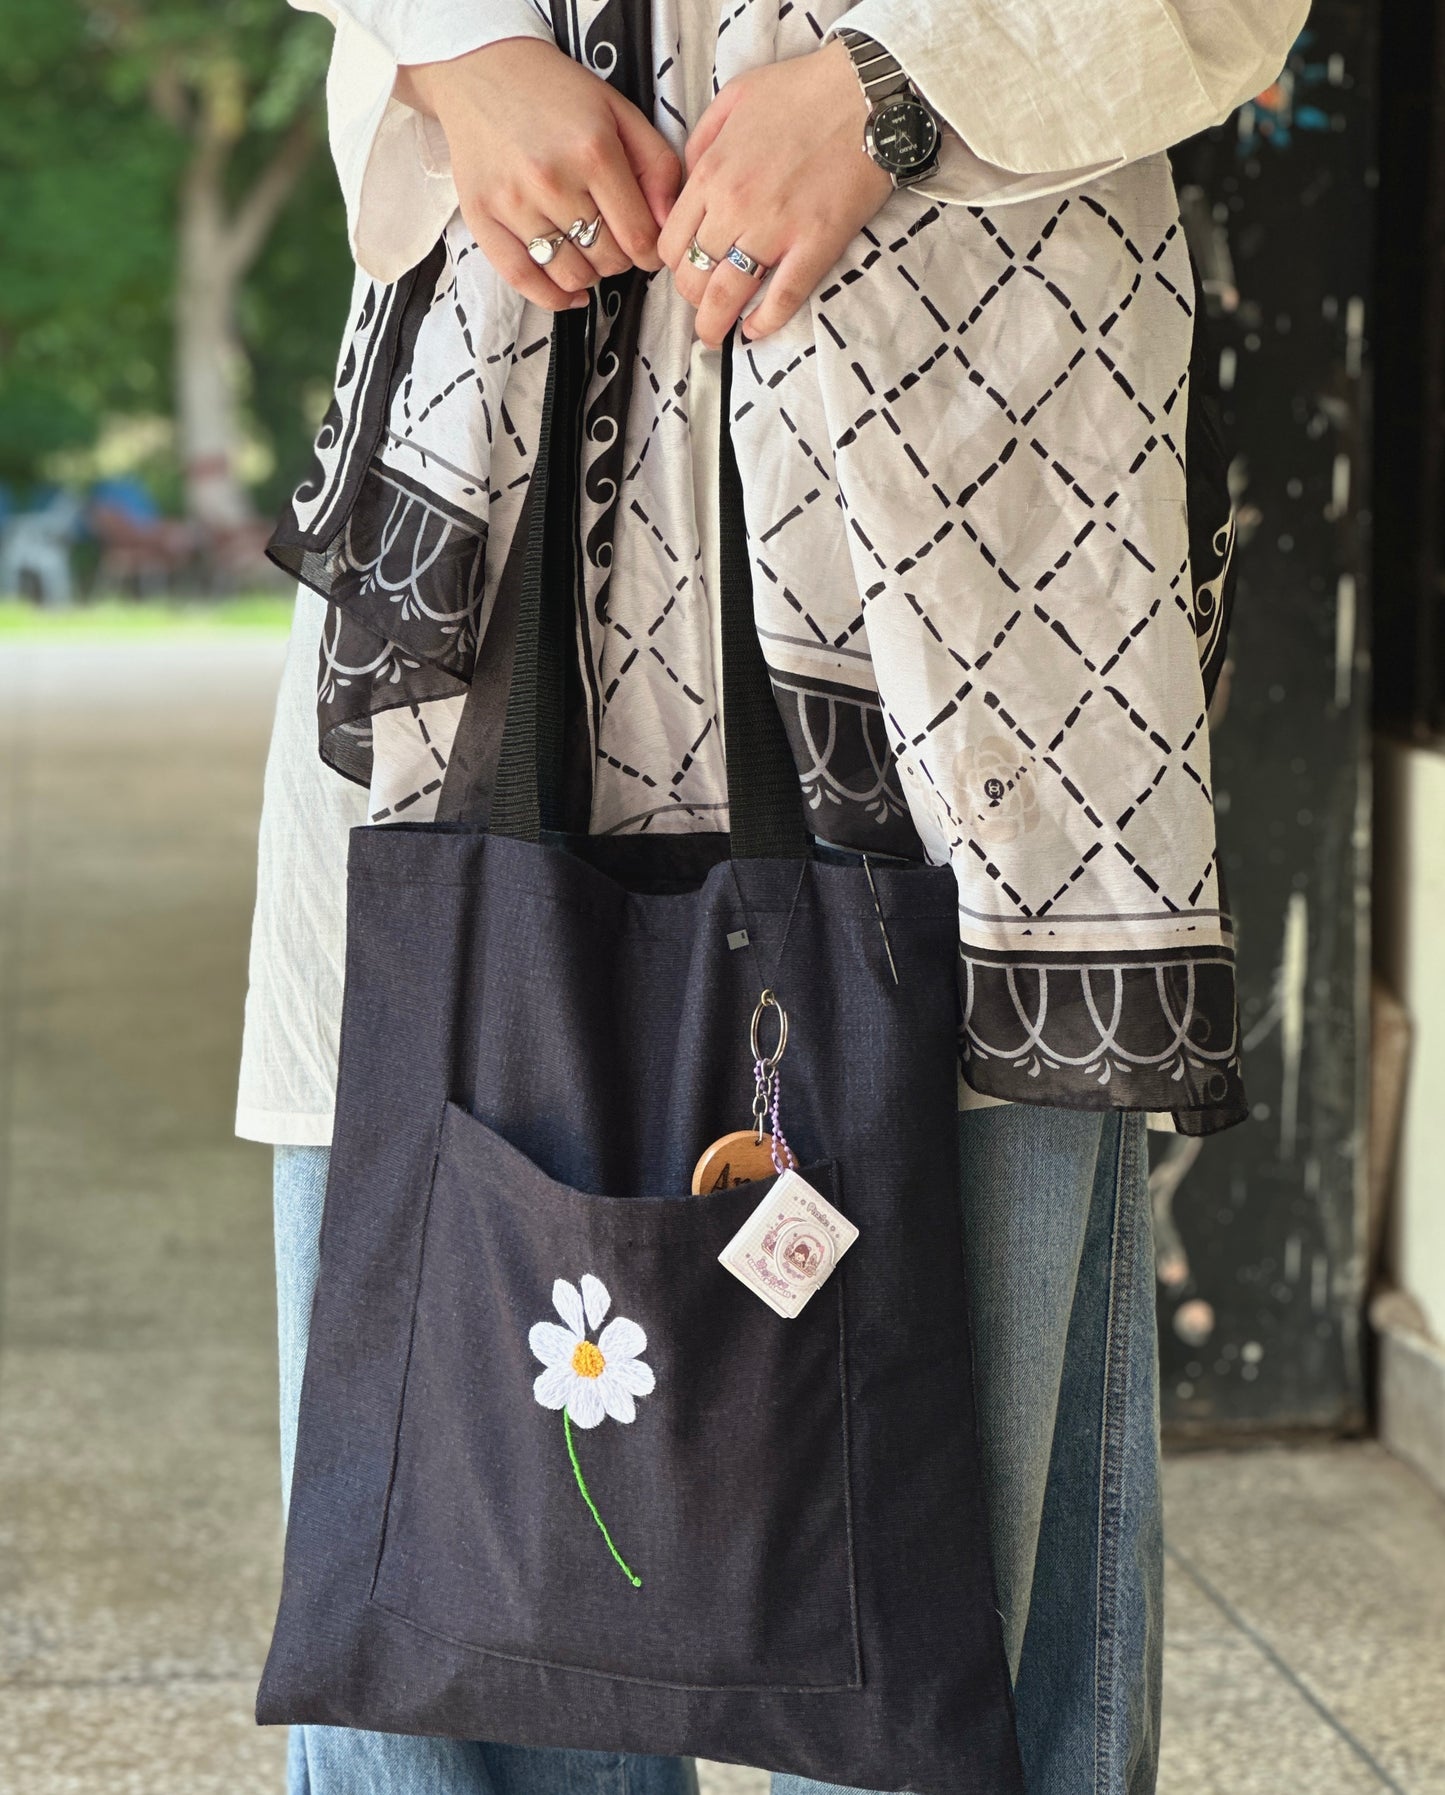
(734, 1159)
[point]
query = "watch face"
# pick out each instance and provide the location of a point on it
(903, 135)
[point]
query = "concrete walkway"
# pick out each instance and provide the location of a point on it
(138, 1507)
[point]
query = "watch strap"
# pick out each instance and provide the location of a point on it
(879, 71)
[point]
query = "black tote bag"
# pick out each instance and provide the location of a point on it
(770, 1547)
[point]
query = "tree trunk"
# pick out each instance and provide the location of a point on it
(215, 250)
(210, 362)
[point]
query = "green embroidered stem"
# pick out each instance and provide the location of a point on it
(635, 1581)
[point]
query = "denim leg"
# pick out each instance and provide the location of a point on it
(1062, 1307)
(330, 1760)
(1027, 1177)
(522, 1770)
(1088, 1686)
(298, 1192)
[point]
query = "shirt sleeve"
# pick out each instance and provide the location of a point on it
(393, 164)
(1041, 95)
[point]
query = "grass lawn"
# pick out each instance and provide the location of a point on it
(20, 620)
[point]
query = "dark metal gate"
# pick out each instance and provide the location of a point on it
(1261, 1229)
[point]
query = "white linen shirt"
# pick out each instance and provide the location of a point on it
(1040, 95)
(1042, 98)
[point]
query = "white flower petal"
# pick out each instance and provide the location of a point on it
(584, 1401)
(552, 1345)
(616, 1398)
(622, 1339)
(632, 1374)
(568, 1304)
(595, 1299)
(554, 1385)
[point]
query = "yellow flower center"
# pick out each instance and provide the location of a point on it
(587, 1361)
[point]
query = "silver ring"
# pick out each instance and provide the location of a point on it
(584, 235)
(698, 257)
(749, 265)
(769, 1060)
(542, 249)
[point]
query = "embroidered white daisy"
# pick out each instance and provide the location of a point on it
(589, 1378)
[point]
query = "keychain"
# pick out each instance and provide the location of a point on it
(788, 1247)
(790, 1244)
(759, 1151)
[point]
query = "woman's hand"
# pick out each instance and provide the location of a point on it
(537, 142)
(777, 167)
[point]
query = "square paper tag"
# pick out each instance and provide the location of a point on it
(789, 1245)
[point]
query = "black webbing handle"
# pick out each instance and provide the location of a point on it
(765, 802)
(764, 799)
(527, 796)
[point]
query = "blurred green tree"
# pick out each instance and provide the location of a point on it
(171, 237)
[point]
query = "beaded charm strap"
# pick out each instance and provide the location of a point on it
(767, 1082)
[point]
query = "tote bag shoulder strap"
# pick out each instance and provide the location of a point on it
(516, 786)
(765, 801)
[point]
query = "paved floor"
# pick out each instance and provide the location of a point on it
(138, 1524)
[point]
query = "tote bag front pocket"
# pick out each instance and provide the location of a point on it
(611, 1456)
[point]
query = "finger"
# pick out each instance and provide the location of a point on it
(684, 223)
(604, 255)
(705, 131)
(508, 255)
(693, 282)
(571, 270)
(620, 199)
(789, 286)
(728, 291)
(651, 157)
(568, 269)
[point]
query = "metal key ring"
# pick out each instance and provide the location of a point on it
(765, 1002)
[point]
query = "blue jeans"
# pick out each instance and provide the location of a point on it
(1057, 1222)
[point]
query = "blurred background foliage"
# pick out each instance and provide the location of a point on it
(168, 218)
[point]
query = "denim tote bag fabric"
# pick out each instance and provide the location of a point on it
(668, 1520)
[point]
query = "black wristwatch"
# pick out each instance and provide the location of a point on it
(903, 132)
